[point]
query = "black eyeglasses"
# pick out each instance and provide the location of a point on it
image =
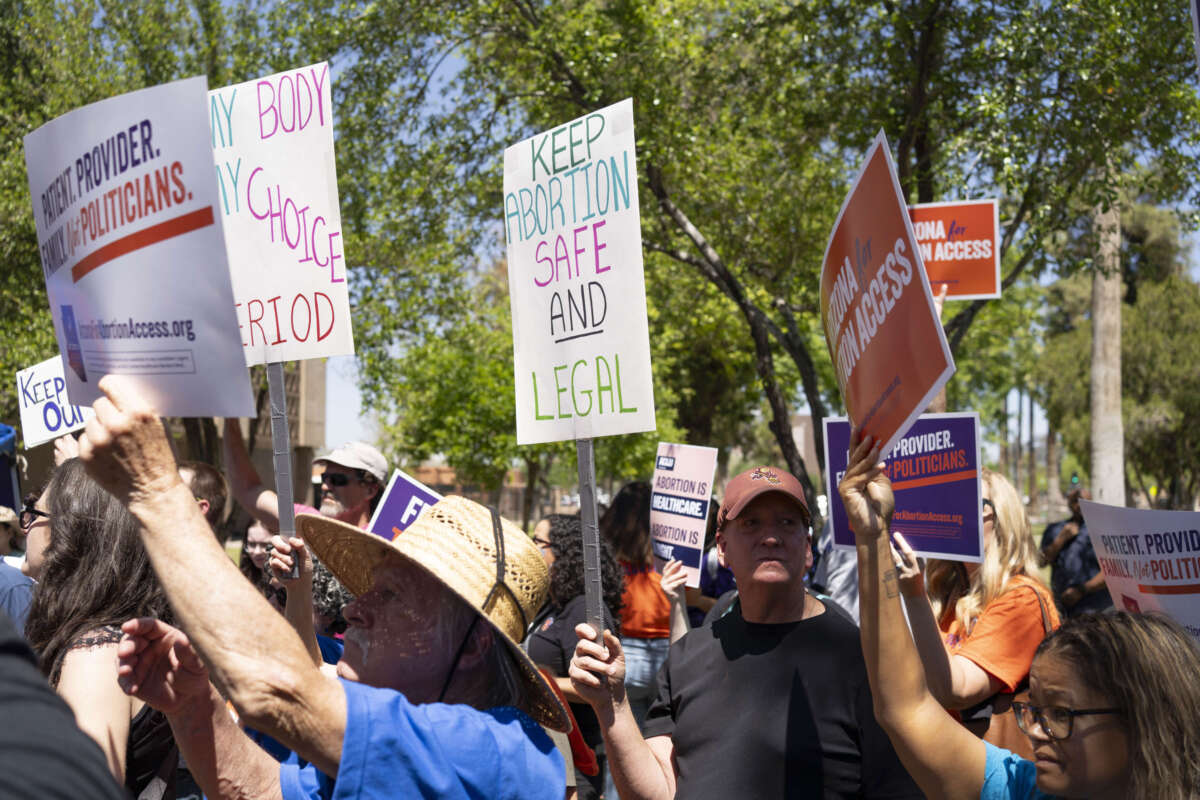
(29, 515)
(1055, 721)
(336, 479)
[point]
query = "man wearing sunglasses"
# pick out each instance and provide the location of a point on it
(351, 486)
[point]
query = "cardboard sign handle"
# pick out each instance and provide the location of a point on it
(281, 445)
(592, 583)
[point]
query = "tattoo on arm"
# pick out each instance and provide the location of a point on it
(891, 584)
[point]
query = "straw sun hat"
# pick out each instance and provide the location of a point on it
(462, 544)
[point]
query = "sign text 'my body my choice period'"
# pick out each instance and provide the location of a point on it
(564, 209)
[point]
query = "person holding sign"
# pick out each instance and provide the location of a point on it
(979, 625)
(434, 698)
(1114, 698)
(771, 700)
(352, 484)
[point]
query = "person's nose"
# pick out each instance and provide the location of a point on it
(358, 612)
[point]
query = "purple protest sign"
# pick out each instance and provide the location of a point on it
(934, 469)
(402, 503)
(682, 484)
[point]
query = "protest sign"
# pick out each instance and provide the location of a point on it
(681, 492)
(960, 247)
(883, 333)
(46, 413)
(934, 469)
(133, 253)
(272, 142)
(1150, 559)
(402, 502)
(581, 342)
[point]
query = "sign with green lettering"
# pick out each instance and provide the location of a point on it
(571, 221)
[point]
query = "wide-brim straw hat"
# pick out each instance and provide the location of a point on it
(455, 541)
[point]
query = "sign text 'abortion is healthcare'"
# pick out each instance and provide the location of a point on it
(272, 142)
(679, 505)
(581, 341)
(133, 252)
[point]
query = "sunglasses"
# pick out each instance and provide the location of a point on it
(337, 479)
(986, 504)
(1055, 721)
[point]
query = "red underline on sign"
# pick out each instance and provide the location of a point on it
(167, 229)
(1186, 588)
(935, 479)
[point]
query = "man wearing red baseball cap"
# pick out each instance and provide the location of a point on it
(772, 700)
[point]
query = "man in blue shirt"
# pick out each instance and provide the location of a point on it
(1075, 575)
(433, 697)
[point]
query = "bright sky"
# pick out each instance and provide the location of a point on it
(344, 420)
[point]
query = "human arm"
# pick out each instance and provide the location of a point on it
(955, 681)
(1073, 594)
(157, 664)
(673, 578)
(88, 682)
(244, 481)
(298, 610)
(253, 655)
(1066, 534)
(641, 769)
(944, 758)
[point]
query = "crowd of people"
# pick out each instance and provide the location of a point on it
(456, 659)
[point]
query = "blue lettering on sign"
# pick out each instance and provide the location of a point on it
(666, 462)
(683, 506)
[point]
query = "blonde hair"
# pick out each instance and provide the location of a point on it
(1013, 552)
(1147, 666)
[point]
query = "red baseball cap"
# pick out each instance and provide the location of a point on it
(743, 488)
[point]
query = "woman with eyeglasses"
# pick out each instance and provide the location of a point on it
(256, 553)
(1114, 698)
(93, 574)
(980, 624)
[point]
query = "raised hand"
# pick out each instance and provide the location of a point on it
(124, 446)
(284, 553)
(65, 448)
(908, 567)
(674, 576)
(865, 489)
(157, 664)
(598, 673)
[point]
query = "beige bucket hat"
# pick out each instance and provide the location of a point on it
(490, 563)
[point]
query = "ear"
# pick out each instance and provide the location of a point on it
(720, 542)
(808, 556)
(204, 506)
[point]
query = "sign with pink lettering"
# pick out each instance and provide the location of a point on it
(272, 141)
(571, 220)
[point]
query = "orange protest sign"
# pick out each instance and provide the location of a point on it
(887, 346)
(959, 245)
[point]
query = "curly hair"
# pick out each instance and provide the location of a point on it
(626, 524)
(1149, 667)
(1013, 552)
(566, 573)
(96, 573)
(329, 597)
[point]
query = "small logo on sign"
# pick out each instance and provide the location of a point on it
(666, 462)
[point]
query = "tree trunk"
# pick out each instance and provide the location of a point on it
(1004, 451)
(1053, 488)
(1108, 436)
(1032, 468)
(1016, 462)
(532, 476)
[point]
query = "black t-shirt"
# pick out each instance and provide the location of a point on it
(774, 710)
(43, 753)
(551, 644)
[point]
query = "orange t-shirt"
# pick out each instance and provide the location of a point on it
(1007, 632)
(645, 610)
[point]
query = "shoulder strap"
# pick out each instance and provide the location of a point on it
(1046, 626)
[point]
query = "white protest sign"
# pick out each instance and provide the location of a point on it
(133, 254)
(1150, 559)
(272, 142)
(46, 413)
(581, 341)
(679, 501)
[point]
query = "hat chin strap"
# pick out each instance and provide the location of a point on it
(498, 535)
